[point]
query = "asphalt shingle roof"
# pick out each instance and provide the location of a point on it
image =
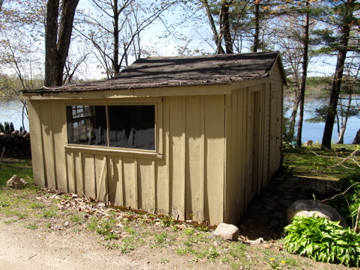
(157, 72)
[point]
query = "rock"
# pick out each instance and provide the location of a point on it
(227, 231)
(310, 207)
(16, 182)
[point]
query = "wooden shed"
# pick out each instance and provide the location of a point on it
(190, 137)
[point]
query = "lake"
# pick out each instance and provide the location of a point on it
(11, 112)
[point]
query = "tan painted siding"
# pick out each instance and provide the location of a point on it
(251, 157)
(37, 151)
(213, 152)
(186, 180)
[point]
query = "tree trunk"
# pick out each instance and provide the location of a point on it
(304, 75)
(357, 138)
(225, 26)
(257, 26)
(116, 66)
(217, 38)
(57, 39)
(344, 122)
(341, 57)
(293, 116)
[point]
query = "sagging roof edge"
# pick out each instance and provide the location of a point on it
(74, 89)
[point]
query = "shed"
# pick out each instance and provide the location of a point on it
(190, 137)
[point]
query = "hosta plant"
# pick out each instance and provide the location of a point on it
(323, 240)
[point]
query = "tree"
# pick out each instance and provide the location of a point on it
(235, 24)
(115, 28)
(343, 12)
(350, 88)
(21, 52)
(257, 26)
(291, 34)
(58, 38)
(305, 61)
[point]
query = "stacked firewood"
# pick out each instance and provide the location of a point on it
(15, 145)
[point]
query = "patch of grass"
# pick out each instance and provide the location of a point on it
(21, 168)
(164, 261)
(185, 251)
(4, 203)
(35, 205)
(32, 226)
(129, 230)
(77, 219)
(210, 253)
(104, 227)
(189, 231)
(316, 163)
(130, 243)
(49, 213)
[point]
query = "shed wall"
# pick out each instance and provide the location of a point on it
(184, 179)
(213, 152)
(253, 152)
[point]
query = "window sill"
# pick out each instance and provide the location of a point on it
(114, 151)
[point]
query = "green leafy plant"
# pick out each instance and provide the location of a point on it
(323, 240)
(346, 196)
(105, 228)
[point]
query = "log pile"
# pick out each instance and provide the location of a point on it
(15, 145)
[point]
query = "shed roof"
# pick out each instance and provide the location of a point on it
(186, 71)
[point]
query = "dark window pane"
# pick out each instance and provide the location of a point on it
(132, 126)
(86, 124)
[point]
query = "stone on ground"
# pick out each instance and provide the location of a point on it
(308, 208)
(16, 182)
(227, 231)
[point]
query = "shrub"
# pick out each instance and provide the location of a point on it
(348, 203)
(323, 240)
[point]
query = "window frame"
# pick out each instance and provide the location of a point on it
(157, 152)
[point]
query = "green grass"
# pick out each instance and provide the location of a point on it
(9, 168)
(126, 231)
(316, 163)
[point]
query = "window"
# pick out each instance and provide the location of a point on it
(125, 126)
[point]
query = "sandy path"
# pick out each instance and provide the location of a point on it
(21, 248)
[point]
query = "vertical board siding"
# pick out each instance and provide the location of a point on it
(79, 173)
(115, 181)
(37, 146)
(177, 156)
(205, 163)
(193, 157)
(147, 193)
(59, 137)
(89, 175)
(162, 167)
(131, 183)
(101, 172)
(214, 159)
(71, 178)
(240, 158)
(48, 144)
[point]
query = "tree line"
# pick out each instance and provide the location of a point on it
(53, 42)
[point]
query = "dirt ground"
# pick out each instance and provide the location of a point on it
(63, 247)
(22, 248)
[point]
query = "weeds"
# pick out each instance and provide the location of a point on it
(126, 231)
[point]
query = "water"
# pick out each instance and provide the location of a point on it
(10, 111)
(314, 131)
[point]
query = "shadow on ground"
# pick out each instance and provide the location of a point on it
(266, 214)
